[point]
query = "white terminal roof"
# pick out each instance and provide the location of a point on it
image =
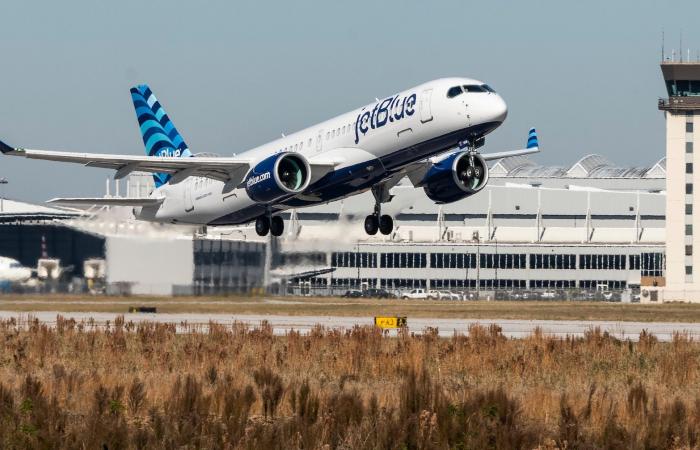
(590, 166)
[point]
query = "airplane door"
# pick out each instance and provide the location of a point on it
(189, 205)
(426, 115)
(319, 141)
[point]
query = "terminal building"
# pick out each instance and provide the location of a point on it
(590, 227)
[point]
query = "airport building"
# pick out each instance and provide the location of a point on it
(592, 226)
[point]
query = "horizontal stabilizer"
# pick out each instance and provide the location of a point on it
(106, 201)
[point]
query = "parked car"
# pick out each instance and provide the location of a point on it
(377, 293)
(416, 294)
(612, 296)
(548, 295)
(353, 293)
(449, 295)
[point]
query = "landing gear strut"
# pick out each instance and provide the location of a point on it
(378, 222)
(472, 170)
(269, 224)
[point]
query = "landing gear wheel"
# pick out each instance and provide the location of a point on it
(262, 225)
(386, 224)
(371, 224)
(276, 226)
(470, 172)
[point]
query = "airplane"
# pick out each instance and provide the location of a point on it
(429, 133)
(11, 271)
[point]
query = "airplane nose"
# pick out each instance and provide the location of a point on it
(499, 109)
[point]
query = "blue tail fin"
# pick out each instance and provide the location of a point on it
(532, 139)
(160, 136)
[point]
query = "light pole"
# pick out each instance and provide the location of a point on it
(477, 239)
(3, 181)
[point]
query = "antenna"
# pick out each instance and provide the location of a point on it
(680, 49)
(662, 45)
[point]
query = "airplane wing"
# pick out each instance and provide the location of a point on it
(533, 146)
(226, 169)
(510, 153)
(230, 170)
(106, 201)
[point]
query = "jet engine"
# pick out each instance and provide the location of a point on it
(277, 177)
(455, 177)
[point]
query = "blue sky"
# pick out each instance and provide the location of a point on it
(233, 75)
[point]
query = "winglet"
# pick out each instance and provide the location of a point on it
(5, 148)
(532, 139)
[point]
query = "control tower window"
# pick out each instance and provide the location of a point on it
(474, 88)
(488, 88)
(454, 91)
(683, 88)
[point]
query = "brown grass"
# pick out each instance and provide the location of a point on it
(144, 386)
(524, 310)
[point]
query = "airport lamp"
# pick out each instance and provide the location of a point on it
(3, 181)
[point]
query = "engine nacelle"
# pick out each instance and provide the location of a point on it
(456, 177)
(277, 177)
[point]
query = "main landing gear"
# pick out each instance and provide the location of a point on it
(269, 224)
(378, 222)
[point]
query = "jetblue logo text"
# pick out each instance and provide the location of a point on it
(257, 179)
(388, 110)
(169, 152)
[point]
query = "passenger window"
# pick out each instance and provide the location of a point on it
(454, 91)
(474, 88)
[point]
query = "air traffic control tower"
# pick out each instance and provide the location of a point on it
(682, 112)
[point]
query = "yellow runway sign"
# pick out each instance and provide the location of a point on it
(390, 322)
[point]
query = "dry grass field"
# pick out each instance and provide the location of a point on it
(554, 310)
(144, 386)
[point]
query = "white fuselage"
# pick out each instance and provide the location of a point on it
(369, 144)
(11, 271)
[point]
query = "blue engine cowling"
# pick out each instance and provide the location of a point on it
(278, 177)
(457, 176)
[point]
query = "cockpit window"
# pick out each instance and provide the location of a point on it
(488, 88)
(454, 91)
(474, 88)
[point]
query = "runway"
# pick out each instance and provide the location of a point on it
(664, 331)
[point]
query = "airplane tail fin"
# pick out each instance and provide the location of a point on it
(160, 137)
(532, 139)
